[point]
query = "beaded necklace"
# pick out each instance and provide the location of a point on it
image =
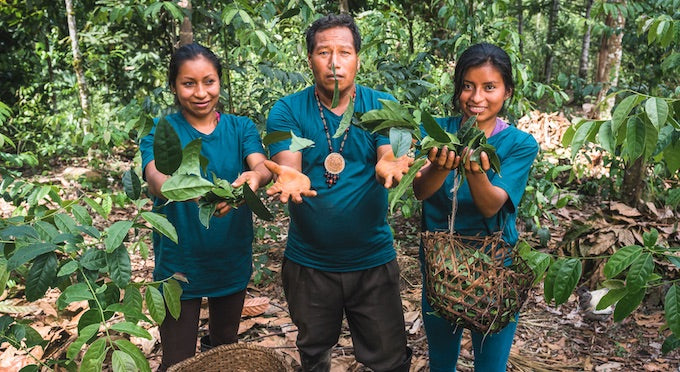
(334, 162)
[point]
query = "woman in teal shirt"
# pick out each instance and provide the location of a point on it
(487, 202)
(217, 262)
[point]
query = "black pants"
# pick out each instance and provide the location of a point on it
(178, 337)
(369, 299)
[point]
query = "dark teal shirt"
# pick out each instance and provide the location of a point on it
(516, 151)
(343, 228)
(216, 261)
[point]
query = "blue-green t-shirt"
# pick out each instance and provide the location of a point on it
(344, 228)
(516, 151)
(216, 261)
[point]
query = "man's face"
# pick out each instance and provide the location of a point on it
(334, 47)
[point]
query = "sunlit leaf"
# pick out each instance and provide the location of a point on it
(116, 234)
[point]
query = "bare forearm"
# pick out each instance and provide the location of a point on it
(488, 198)
(430, 181)
(154, 178)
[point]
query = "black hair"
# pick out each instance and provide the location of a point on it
(190, 52)
(477, 55)
(331, 21)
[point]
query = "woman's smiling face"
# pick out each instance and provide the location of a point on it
(483, 94)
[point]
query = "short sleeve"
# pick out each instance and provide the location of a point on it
(281, 119)
(515, 169)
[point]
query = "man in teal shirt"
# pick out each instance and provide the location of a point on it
(339, 257)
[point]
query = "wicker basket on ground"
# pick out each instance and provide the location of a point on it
(239, 357)
(473, 281)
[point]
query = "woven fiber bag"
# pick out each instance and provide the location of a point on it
(238, 357)
(468, 282)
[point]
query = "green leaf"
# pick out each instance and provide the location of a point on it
(606, 137)
(672, 309)
(172, 292)
(122, 362)
(155, 304)
(206, 212)
(657, 111)
(133, 301)
(19, 232)
(73, 293)
(274, 137)
(635, 138)
(299, 143)
(133, 351)
(131, 329)
(27, 253)
(627, 304)
(639, 271)
(613, 296)
(346, 120)
(395, 194)
(255, 204)
(65, 223)
(650, 237)
(94, 356)
(671, 343)
(620, 260)
(538, 262)
(621, 112)
(336, 91)
(582, 133)
(119, 266)
(614, 283)
(46, 230)
(96, 207)
(167, 148)
(161, 224)
(67, 269)
(566, 279)
(433, 129)
(183, 187)
(549, 282)
(131, 184)
(401, 140)
(43, 273)
(81, 214)
(116, 234)
(93, 259)
(191, 163)
(84, 335)
(671, 156)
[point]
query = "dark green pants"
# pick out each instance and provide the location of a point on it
(369, 299)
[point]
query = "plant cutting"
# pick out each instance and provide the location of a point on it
(184, 166)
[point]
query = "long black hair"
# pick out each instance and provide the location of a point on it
(477, 55)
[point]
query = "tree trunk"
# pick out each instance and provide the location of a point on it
(520, 25)
(609, 63)
(186, 32)
(50, 73)
(585, 48)
(77, 61)
(551, 38)
(344, 6)
(631, 188)
(225, 43)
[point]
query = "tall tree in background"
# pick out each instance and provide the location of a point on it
(520, 25)
(551, 39)
(585, 48)
(186, 32)
(609, 60)
(344, 6)
(77, 59)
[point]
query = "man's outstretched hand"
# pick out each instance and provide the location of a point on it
(290, 183)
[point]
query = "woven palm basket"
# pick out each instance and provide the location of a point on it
(238, 357)
(468, 281)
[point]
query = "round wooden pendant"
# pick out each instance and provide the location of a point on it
(334, 163)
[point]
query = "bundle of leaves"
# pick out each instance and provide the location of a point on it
(184, 166)
(400, 124)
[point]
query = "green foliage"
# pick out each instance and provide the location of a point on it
(52, 242)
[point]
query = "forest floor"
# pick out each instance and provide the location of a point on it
(548, 338)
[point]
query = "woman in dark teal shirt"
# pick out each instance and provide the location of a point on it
(217, 262)
(487, 202)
